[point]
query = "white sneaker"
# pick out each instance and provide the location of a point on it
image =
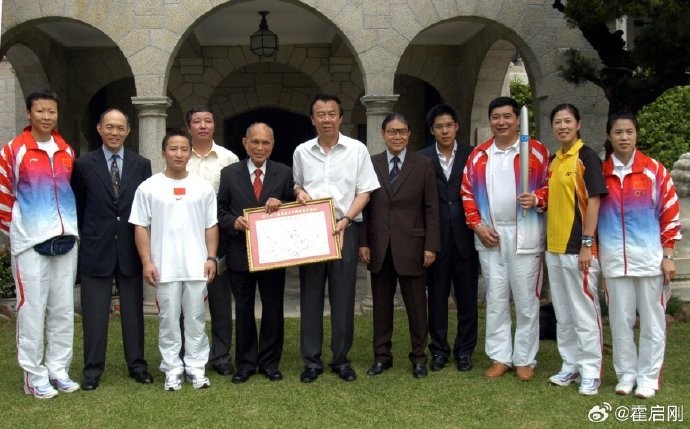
(589, 386)
(42, 392)
(198, 381)
(564, 378)
(173, 382)
(625, 387)
(65, 385)
(645, 392)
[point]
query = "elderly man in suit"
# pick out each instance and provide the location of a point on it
(254, 182)
(457, 263)
(398, 241)
(104, 182)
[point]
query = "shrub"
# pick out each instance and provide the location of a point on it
(522, 93)
(7, 289)
(665, 126)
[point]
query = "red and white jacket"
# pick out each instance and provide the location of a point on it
(36, 199)
(639, 217)
(476, 185)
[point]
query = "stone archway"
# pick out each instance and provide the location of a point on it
(489, 86)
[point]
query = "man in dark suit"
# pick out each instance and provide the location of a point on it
(254, 182)
(398, 240)
(104, 182)
(457, 263)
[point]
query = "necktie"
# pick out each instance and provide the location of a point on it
(115, 173)
(393, 175)
(257, 183)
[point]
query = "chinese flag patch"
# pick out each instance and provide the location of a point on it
(179, 191)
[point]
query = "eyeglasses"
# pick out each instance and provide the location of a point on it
(392, 132)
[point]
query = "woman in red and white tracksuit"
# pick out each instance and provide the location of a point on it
(638, 227)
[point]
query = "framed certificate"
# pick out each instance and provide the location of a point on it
(296, 234)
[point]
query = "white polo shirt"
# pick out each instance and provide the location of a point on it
(342, 173)
(502, 191)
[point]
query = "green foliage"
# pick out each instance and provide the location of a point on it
(674, 306)
(7, 289)
(655, 58)
(577, 68)
(522, 93)
(665, 126)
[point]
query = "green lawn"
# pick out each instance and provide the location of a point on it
(393, 399)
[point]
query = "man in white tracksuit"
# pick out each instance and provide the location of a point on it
(176, 234)
(510, 244)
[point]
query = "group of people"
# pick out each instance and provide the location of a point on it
(620, 219)
(426, 221)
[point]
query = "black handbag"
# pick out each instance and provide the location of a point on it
(56, 246)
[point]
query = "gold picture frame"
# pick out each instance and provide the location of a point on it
(295, 234)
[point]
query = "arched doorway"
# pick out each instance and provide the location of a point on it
(289, 129)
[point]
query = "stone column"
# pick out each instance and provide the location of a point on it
(378, 106)
(681, 178)
(152, 115)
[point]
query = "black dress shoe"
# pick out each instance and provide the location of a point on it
(142, 377)
(438, 362)
(310, 374)
(419, 370)
(272, 374)
(465, 363)
(241, 376)
(223, 369)
(378, 367)
(345, 373)
(89, 383)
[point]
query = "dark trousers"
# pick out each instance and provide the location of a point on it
(265, 352)
(341, 276)
(96, 297)
(451, 267)
(220, 307)
(383, 286)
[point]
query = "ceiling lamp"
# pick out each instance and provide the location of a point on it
(263, 43)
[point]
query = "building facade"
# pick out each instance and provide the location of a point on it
(156, 59)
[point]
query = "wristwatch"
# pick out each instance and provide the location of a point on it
(587, 240)
(214, 259)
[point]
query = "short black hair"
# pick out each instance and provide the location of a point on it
(180, 132)
(40, 94)
(440, 110)
(113, 109)
(622, 115)
(325, 98)
(504, 101)
(197, 109)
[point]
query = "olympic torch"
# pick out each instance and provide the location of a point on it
(524, 152)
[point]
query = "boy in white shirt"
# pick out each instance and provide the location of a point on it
(176, 234)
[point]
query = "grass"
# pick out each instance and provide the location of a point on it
(444, 399)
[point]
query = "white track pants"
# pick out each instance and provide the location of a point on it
(186, 297)
(45, 304)
(648, 296)
(578, 316)
(506, 273)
